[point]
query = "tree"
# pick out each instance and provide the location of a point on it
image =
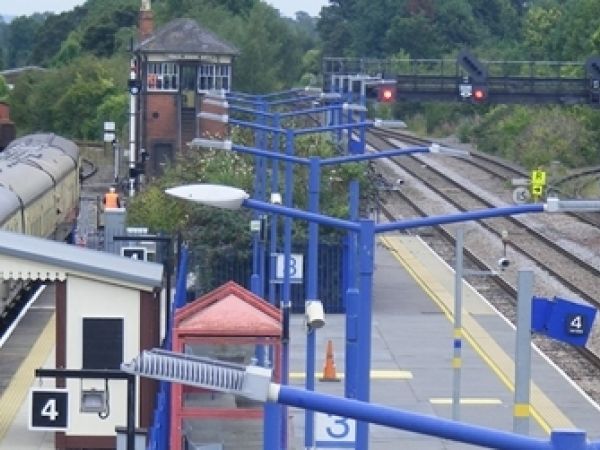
(4, 91)
(262, 52)
(335, 30)
(52, 34)
(21, 35)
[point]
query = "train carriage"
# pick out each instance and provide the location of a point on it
(39, 190)
(10, 210)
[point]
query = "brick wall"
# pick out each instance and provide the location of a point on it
(212, 129)
(161, 117)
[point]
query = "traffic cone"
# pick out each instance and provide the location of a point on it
(329, 373)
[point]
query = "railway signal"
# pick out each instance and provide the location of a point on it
(479, 94)
(476, 71)
(386, 93)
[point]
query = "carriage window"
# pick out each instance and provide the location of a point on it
(163, 77)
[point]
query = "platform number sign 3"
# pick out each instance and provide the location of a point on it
(49, 409)
(334, 431)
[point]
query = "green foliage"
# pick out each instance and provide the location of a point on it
(263, 51)
(4, 29)
(113, 109)
(422, 28)
(535, 137)
(70, 49)
(154, 209)
(3, 89)
(53, 33)
(21, 33)
(52, 100)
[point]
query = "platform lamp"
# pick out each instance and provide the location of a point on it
(255, 383)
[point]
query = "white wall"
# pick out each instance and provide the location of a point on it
(93, 299)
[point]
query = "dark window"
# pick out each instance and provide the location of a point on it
(102, 343)
(162, 156)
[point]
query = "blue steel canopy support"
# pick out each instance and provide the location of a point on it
(311, 288)
(352, 299)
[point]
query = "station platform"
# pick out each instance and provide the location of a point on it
(412, 353)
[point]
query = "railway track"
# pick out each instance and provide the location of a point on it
(475, 183)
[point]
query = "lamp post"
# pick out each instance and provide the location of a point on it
(234, 198)
(255, 383)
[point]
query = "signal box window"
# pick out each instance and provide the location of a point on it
(163, 77)
(214, 76)
(102, 343)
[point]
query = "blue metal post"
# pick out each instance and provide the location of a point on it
(274, 416)
(311, 287)
(255, 277)
(275, 217)
(362, 132)
(431, 425)
(286, 302)
(366, 249)
(263, 185)
(351, 299)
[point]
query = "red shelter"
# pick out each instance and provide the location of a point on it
(231, 324)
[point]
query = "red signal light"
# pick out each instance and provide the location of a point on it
(479, 94)
(387, 94)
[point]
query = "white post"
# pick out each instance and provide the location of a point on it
(132, 133)
(458, 332)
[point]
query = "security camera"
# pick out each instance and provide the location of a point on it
(315, 316)
(503, 263)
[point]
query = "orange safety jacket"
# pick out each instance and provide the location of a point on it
(111, 200)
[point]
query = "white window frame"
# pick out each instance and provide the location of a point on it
(213, 76)
(161, 76)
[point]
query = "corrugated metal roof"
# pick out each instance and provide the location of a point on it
(185, 36)
(71, 258)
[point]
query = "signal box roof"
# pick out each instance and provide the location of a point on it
(185, 36)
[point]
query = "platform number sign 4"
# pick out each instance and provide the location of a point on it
(49, 409)
(334, 431)
(576, 324)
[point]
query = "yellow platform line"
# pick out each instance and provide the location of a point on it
(15, 393)
(375, 375)
(465, 401)
(543, 410)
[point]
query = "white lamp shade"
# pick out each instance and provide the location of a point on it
(225, 197)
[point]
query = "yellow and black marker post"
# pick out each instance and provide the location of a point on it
(537, 183)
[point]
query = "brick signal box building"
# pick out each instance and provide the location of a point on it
(177, 65)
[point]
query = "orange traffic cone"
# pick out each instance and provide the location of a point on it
(329, 368)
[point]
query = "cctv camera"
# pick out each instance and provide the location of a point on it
(315, 316)
(503, 263)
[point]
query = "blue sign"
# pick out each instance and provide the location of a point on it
(562, 319)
